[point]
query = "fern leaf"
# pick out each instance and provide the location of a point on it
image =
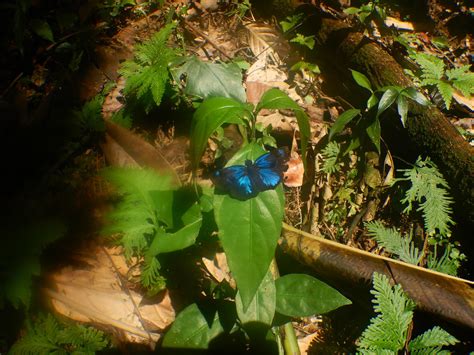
(387, 332)
(145, 205)
(47, 336)
(432, 67)
(446, 264)
(330, 154)
(432, 340)
(147, 75)
(446, 91)
(465, 84)
(394, 243)
(151, 278)
(429, 189)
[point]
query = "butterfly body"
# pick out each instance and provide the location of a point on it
(246, 181)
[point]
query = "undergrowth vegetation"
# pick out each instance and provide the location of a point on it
(153, 216)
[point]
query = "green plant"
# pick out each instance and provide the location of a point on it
(20, 256)
(430, 191)
(330, 154)
(434, 73)
(143, 218)
(369, 122)
(388, 331)
(394, 243)
(147, 74)
(46, 335)
(241, 8)
(367, 12)
(290, 24)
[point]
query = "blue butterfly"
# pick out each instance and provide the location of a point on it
(245, 181)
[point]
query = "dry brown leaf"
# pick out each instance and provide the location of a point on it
(263, 41)
(94, 292)
(219, 269)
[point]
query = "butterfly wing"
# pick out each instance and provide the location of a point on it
(235, 180)
(267, 172)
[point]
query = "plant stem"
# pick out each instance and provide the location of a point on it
(290, 343)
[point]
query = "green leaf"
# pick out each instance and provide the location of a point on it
(373, 131)
(146, 202)
(387, 99)
(342, 121)
(352, 10)
(147, 74)
(183, 238)
(394, 243)
(402, 107)
(362, 80)
(415, 95)
(300, 295)
(372, 101)
(307, 41)
(204, 79)
(435, 337)
(262, 307)
(209, 116)
(432, 67)
(446, 92)
(290, 22)
(387, 333)
(42, 29)
(275, 99)
(191, 330)
(249, 230)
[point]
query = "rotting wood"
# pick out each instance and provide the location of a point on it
(443, 295)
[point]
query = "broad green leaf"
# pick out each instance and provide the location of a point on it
(373, 131)
(249, 230)
(204, 79)
(352, 10)
(301, 295)
(387, 99)
(402, 107)
(362, 80)
(209, 116)
(372, 101)
(415, 95)
(262, 307)
(342, 121)
(446, 92)
(308, 41)
(290, 22)
(191, 330)
(183, 238)
(275, 99)
(42, 29)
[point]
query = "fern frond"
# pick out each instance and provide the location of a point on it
(85, 340)
(330, 154)
(47, 336)
(465, 84)
(151, 278)
(147, 75)
(139, 213)
(429, 189)
(431, 341)
(387, 331)
(432, 67)
(446, 91)
(393, 242)
(446, 264)
(91, 114)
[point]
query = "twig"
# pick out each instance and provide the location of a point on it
(127, 291)
(200, 33)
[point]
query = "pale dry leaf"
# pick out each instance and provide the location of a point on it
(463, 100)
(93, 292)
(293, 176)
(219, 269)
(263, 41)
